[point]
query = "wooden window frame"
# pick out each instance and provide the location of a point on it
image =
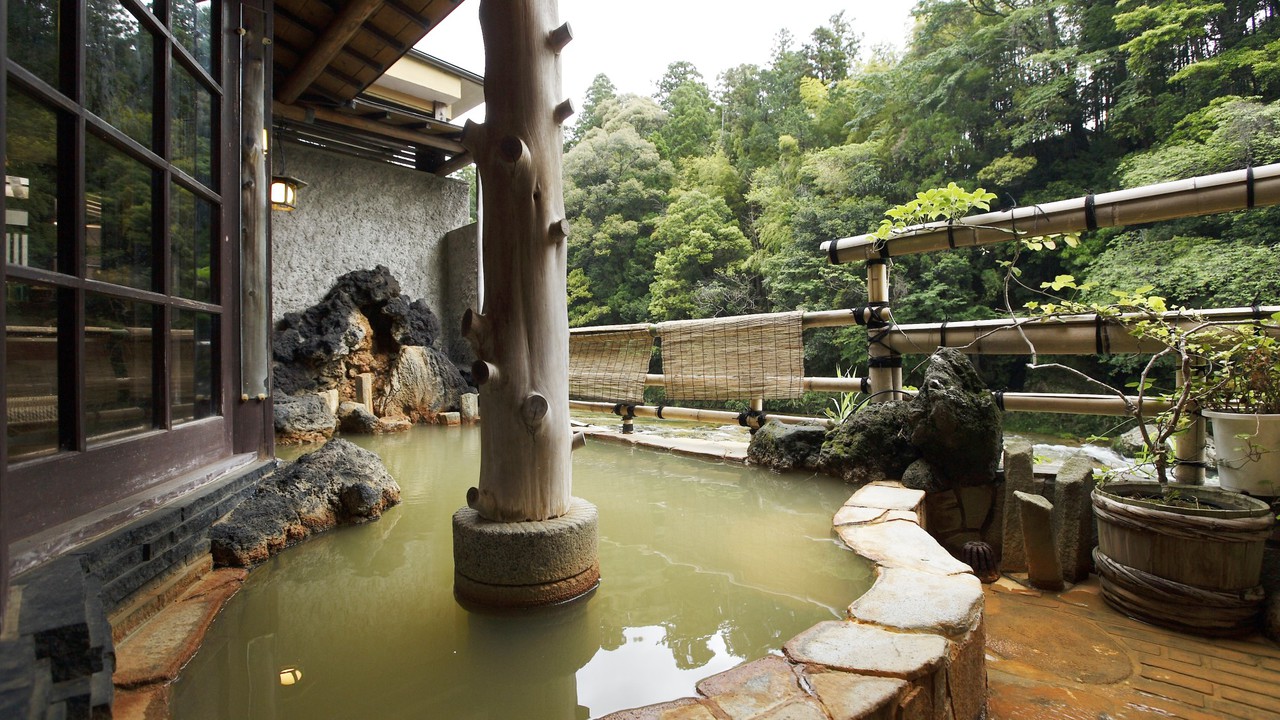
(45, 492)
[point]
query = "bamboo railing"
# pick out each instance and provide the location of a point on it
(1072, 335)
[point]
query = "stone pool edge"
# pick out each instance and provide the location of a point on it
(912, 646)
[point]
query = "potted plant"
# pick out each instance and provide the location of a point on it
(1240, 395)
(1188, 557)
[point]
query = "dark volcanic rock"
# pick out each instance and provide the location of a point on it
(955, 424)
(412, 323)
(872, 444)
(338, 484)
(779, 446)
(363, 312)
(302, 418)
(364, 328)
(947, 436)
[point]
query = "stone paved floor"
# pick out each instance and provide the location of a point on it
(1069, 656)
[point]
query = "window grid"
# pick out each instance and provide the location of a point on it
(71, 280)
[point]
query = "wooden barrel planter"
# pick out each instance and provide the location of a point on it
(1192, 569)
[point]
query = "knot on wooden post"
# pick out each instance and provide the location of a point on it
(564, 111)
(483, 372)
(558, 38)
(559, 230)
(512, 149)
(534, 408)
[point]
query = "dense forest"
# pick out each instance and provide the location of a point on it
(711, 199)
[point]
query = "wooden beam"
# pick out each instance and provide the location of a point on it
(335, 37)
(454, 164)
(299, 114)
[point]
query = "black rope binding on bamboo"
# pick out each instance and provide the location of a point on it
(871, 315)
(999, 396)
(1248, 187)
(1101, 336)
(885, 361)
(942, 334)
(866, 385)
(951, 235)
(832, 256)
(1090, 213)
(660, 407)
(875, 315)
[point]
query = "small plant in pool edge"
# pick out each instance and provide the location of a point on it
(844, 404)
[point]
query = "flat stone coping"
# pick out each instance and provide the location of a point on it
(724, 450)
(911, 647)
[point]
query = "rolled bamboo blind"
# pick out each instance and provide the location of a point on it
(734, 358)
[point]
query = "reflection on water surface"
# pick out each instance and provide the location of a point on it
(703, 566)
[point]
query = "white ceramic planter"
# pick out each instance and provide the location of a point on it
(1248, 451)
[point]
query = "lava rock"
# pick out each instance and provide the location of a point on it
(872, 444)
(340, 483)
(354, 417)
(955, 424)
(412, 323)
(947, 436)
(302, 418)
(779, 446)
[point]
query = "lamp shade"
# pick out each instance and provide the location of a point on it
(284, 192)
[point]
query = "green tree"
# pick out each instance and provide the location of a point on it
(615, 189)
(698, 266)
(600, 92)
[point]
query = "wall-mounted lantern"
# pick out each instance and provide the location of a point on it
(284, 192)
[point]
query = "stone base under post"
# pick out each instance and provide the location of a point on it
(525, 564)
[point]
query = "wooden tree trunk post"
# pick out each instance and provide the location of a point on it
(522, 527)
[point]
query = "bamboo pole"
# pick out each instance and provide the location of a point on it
(1204, 195)
(810, 384)
(1069, 335)
(689, 414)
(879, 356)
(860, 315)
(1064, 403)
(1189, 445)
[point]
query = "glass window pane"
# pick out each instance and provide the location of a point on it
(192, 127)
(191, 380)
(31, 184)
(191, 232)
(118, 69)
(33, 36)
(31, 369)
(192, 25)
(117, 367)
(117, 216)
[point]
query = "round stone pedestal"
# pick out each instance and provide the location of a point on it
(525, 564)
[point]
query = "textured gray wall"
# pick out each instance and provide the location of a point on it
(356, 214)
(462, 289)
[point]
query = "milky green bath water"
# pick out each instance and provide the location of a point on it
(703, 566)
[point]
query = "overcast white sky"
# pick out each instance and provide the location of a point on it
(634, 42)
